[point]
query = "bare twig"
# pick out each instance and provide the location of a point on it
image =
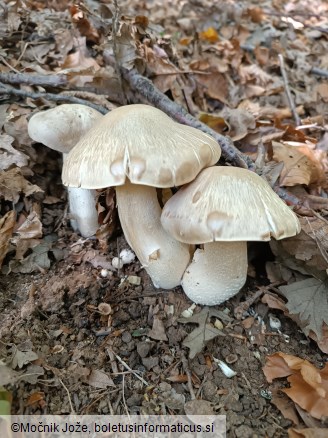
(8, 65)
(31, 79)
(68, 395)
(97, 99)
(288, 92)
(6, 89)
(112, 360)
(288, 197)
(319, 72)
(130, 369)
(147, 89)
(188, 373)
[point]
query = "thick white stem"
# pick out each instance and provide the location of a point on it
(82, 209)
(216, 273)
(163, 257)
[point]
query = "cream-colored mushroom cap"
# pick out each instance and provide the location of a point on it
(60, 128)
(228, 204)
(142, 143)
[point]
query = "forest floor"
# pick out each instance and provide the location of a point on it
(60, 351)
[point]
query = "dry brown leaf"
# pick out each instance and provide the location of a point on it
(213, 83)
(306, 252)
(308, 384)
(83, 24)
(34, 398)
(216, 122)
(240, 122)
(99, 379)
(158, 330)
(12, 184)
(308, 299)
(285, 406)
(262, 55)
(274, 302)
(7, 224)
(31, 228)
(254, 73)
(308, 433)
(10, 156)
(197, 339)
(298, 169)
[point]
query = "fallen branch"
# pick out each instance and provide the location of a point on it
(146, 88)
(31, 79)
(6, 89)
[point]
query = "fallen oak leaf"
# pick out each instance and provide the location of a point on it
(308, 299)
(197, 339)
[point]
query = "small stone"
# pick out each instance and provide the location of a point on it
(143, 348)
(134, 279)
(150, 362)
(126, 337)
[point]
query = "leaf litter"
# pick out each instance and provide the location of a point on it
(221, 63)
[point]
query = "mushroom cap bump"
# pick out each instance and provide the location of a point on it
(60, 128)
(228, 204)
(141, 143)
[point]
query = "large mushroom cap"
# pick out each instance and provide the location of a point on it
(228, 204)
(142, 143)
(60, 128)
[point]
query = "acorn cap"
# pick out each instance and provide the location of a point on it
(141, 143)
(60, 128)
(228, 204)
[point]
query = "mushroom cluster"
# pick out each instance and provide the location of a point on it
(138, 148)
(223, 208)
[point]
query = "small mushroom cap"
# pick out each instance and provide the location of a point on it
(61, 128)
(142, 143)
(228, 204)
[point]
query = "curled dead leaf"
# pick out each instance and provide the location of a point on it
(308, 384)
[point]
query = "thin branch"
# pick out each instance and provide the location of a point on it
(147, 89)
(319, 72)
(31, 79)
(288, 197)
(68, 395)
(188, 373)
(130, 369)
(288, 92)
(6, 89)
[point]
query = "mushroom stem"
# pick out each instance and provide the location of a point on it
(82, 209)
(216, 273)
(161, 255)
